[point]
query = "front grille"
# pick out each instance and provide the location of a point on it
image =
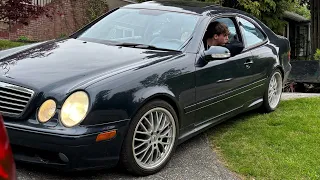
(14, 99)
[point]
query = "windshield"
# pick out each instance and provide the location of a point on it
(161, 29)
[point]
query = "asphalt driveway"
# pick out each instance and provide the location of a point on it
(193, 159)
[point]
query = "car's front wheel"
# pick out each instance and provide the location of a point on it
(273, 92)
(151, 138)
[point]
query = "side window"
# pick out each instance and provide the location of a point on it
(232, 28)
(251, 33)
(229, 22)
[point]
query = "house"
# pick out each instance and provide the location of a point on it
(298, 31)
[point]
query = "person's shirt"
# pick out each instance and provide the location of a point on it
(235, 47)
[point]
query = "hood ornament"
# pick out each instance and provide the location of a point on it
(5, 66)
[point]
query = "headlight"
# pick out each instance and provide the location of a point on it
(47, 110)
(74, 109)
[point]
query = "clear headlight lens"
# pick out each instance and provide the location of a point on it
(74, 109)
(47, 110)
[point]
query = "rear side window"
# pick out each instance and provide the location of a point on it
(251, 34)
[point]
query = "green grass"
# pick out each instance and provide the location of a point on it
(284, 144)
(5, 44)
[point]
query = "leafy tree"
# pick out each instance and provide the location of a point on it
(306, 2)
(269, 11)
(300, 8)
(14, 11)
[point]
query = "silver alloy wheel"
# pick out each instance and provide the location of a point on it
(154, 138)
(275, 90)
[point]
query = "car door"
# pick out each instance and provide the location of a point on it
(221, 84)
(264, 55)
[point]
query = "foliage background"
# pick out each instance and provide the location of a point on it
(270, 12)
(317, 55)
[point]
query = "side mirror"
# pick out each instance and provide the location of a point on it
(217, 53)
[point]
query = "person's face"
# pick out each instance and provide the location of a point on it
(221, 39)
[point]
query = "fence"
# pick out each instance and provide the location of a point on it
(40, 2)
(305, 71)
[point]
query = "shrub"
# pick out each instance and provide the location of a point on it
(5, 44)
(63, 35)
(23, 39)
(317, 55)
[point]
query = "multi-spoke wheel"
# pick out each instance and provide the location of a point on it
(273, 93)
(151, 138)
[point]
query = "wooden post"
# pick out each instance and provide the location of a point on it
(315, 25)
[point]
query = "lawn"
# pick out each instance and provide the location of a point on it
(284, 144)
(5, 44)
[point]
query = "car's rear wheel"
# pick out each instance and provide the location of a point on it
(151, 139)
(273, 92)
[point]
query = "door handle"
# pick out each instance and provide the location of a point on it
(224, 80)
(248, 62)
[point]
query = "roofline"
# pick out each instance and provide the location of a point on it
(190, 7)
(182, 12)
(295, 17)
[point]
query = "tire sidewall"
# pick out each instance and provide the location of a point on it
(266, 103)
(127, 157)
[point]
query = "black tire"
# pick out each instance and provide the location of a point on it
(267, 106)
(127, 157)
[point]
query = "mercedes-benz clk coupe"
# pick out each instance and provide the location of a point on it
(133, 84)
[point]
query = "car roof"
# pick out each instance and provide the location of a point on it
(191, 7)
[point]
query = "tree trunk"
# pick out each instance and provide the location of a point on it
(315, 25)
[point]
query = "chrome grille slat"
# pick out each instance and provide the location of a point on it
(14, 89)
(11, 108)
(14, 99)
(14, 104)
(15, 114)
(1, 91)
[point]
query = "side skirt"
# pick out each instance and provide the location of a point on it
(219, 119)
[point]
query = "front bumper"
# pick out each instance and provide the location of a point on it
(67, 152)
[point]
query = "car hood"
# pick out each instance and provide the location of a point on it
(71, 61)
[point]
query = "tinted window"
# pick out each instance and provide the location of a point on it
(251, 33)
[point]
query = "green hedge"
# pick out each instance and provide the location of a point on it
(5, 44)
(317, 55)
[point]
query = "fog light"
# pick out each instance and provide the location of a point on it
(106, 135)
(63, 157)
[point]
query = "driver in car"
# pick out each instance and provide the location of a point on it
(218, 35)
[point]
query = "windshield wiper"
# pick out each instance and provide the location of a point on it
(144, 46)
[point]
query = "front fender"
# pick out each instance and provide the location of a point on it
(119, 97)
(122, 104)
(146, 95)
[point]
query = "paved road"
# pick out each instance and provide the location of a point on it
(192, 160)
